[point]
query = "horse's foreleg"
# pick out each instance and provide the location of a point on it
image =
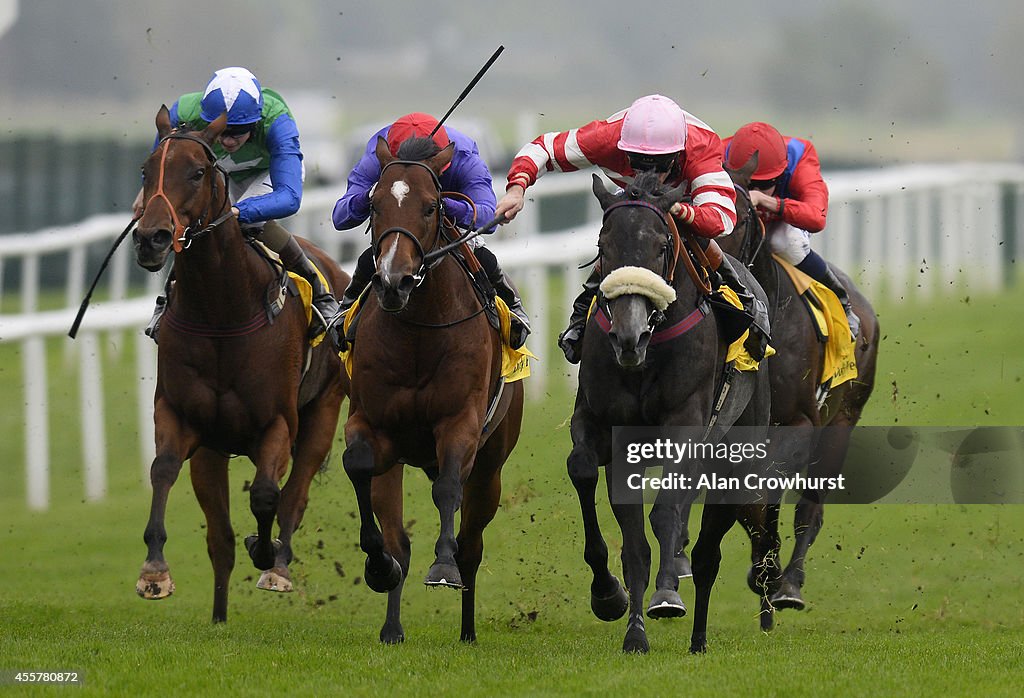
(271, 461)
(608, 598)
(381, 571)
(455, 456)
(664, 517)
(716, 521)
(636, 570)
(318, 422)
(682, 561)
(479, 504)
(172, 448)
(761, 522)
(829, 455)
(386, 493)
(209, 471)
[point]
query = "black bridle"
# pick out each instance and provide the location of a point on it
(428, 259)
(752, 242)
(672, 240)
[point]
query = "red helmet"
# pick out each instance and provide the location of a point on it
(415, 125)
(767, 142)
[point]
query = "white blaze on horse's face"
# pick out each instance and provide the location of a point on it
(389, 257)
(399, 190)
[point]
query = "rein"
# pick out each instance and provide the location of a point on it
(748, 257)
(183, 236)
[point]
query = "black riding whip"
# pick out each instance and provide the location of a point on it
(469, 87)
(88, 297)
(465, 237)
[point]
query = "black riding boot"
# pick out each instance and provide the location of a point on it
(571, 339)
(325, 308)
(754, 310)
(506, 290)
(361, 277)
(158, 312)
(832, 282)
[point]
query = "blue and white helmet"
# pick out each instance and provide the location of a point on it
(235, 91)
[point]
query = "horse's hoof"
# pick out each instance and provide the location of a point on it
(752, 581)
(252, 547)
(698, 647)
(154, 581)
(635, 641)
(444, 574)
(276, 579)
(612, 607)
(683, 567)
(767, 618)
(665, 603)
(383, 580)
(788, 596)
(392, 635)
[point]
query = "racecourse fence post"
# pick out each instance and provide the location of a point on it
(94, 439)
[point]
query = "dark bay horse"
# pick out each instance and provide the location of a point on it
(228, 380)
(795, 371)
(425, 390)
(629, 378)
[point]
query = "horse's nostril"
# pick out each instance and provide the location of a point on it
(407, 284)
(161, 238)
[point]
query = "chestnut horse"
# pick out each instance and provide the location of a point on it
(229, 379)
(795, 371)
(425, 389)
(657, 363)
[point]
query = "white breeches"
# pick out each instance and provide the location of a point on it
(790, 243)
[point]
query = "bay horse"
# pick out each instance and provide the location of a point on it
(795, 370)
(227, 386)
(425, 390)
(629, 377)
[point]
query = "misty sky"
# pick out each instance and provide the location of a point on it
(882, 79)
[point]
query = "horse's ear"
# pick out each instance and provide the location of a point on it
(211, 132)
(671, 197)
(443, 158)
(604, 196)
(383, 152)
(163, 121)
(743, 175)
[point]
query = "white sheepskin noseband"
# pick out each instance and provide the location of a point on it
(625, 281)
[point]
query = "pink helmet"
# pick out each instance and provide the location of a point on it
(654, 125)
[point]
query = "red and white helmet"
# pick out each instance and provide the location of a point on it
(767, 142)
(653, 125)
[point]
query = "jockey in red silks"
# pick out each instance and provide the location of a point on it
(654, 133)
(466, 174)
(791, 197)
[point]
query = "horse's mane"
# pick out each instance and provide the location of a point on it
(417, 149)
(647, 185)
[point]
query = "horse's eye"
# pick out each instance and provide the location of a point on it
(431, 209)
(199, 174)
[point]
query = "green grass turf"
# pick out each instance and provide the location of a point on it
(911, 600)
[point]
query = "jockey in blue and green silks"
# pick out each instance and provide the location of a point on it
(259, 150)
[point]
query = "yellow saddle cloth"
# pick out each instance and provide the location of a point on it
(738, 354)
(830, 323)
(306, 294)
(303, 287)
(515, 363)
